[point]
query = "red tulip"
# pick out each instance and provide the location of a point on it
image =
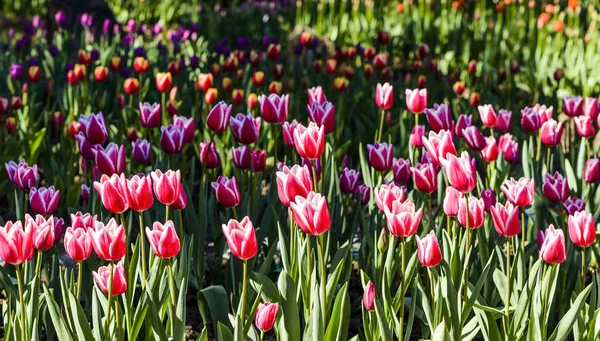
(163, 239)
(311, 213)
(113, 192)
(166, 186)
(402, 219)
(428, 250)
(386, 195)
(591, 173)
(416, 100)
(460, 172)
(17, 243)
(490, 152)
(266, 314)
(384, 96)
(451, 201)
(119, 279)
(140, 65)
(101, 74)
(553, 250)
(241, 238)
(226, 191)
(78, 243)
(139, 192)
(425, 177)
(582, 229)
(476, 213)
(292, 183)
(163, 81)
(488, 115)
(519, 193)
(108, 240)
(131, 86)
(309, 141)
(380, 156)
(551, 132)
(506, 219)
(369, 296)
(439, 144)
(556, 187)
(584, 126)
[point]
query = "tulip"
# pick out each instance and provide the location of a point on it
(401, 169)
(226, 191)
(380, 156)
(167, 186)
(140, 65)
(84, 221)
(78, 243)
(309, 141)
(182, 201)
(94, 128)
(416, 136)
(163, 239)
(3, 106)
(113, 192)
(34, 73)
(475, 140)
(425, 177)
(266, 314)
(323, 114)
(45, 234)
(139, 192)
(519, 193)
(108, 240)
(402, 219)
(21, 175)
(258, 160)
(428, 250)
(573, 106)
(488, 115)
(553, 249)
(205, 81)
(149, 115)
(241, 238)
(451, 201)
(245, 128)
(44, 200)
(218, 117)
(416, 100)
(275, 87)
(463, 122)
(211, 95)
(551, 132)
(476, 212)
(582, 229)
(311, 213)
(241, 158)
(131, 86)
(590, 108)
(316, 94)
(386, 195)
(556, 187)
(292, 183)
(110, 160)
(274, 108)
(384, 96)
(584, 126)
(349, 180)
(530, 120)
(17, 243)
(504, 120)
(490, 152)
(510, 150)
(172, 139)
(506, 219)
(287, 130)
(85, 193)
(16, 71)
(460, 172)
(186, 126)
(544, 112)
(489, 198)
(15, 103)
(163, 81)
(440, 118)
(119, 279)
(141, 151)
(439, 144)
(100, 74)
(209, 156)
(369, 296)
(363, 192)
(591, 173)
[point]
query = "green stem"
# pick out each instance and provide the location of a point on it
(143, 248)
(173, 296)
(467, 246)
(21, 301)
(163, 108)
(321, 247)
(310, 260)
(314, 172)
(110, 285)
(380, 132)
(403, 253)
(524, 233)
(262, 335)
(79, 278)
(507, 325)
(244, 290)
(582, 269)
(167, 209)
(432, 288)
(181, 235)
(292, 240)
(234, 211)
(430, 212)
(38, 265)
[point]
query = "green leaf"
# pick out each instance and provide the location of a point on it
(265, 286)
(223, 333)
(59, 325)
(212, 299)
(337, 328)
(82, 326)
(440, 333)
(288, 325)
(384, 328)
(571, 178)
(566, 323)
(35, 145)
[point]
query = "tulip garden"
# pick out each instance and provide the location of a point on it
(312, 170)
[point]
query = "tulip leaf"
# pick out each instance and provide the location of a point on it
(337, 328)
(566, 322)
(581, 158)
(487, 325)
(384, 328)
(252, 312)
(211, 300)
(475, 291)
(82, 326)
(58, 323)
(180, 311)
(265, 286)
(440, 333)
(203, 335)
(571, 178)
(35, 144)
(223, 333)
(288, 325)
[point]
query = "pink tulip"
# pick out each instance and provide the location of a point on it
(439, 145)
(584, 126)
(182, 201)
(451, 201)
(113, 192)
(266, 315)
(380, 156)
(590, 108)
(384, 96)
(476, 213)
(510, 150)
(119, 277)
(544, 112)
(474, 138)
(309, 141)
(163, 239)
(386, 195)
(490, 152)
(573, 106)
(17, 243)
(78, 243)
(84, 221)
(287, 130)
(553, 250)
(416, 136)
(440, 118)
(241, 238)
(591, 173)
(311, 213)
(428, 250)
(425, 177)
(460, 172)
(504, 120)
(519, 193)
(463, 123)
(226, 191)
(506, 219)
(166, 185)
(402, 219)
(139, 192)
(582, 229)
(44, 232)
(551, 132)
(556, 187)
(316, 94)
(488, 115)
(369, 296)
(108, 240)
(416, 100)
(293, 182)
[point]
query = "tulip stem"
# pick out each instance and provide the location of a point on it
(292, 251)
(403, 253)
(79, 278)
(430, 212)
(262, 335)
(110, 287)
(234, 212)
(467, 246)
(38, 264)
(582, 269)
(143, 248)
(548, 160)
(167, 213)
(508, 286)
(21, 301)
(432, 288)
(314, 172)
(173, 296)
(321, 247)
(380, 132)
(244, 290)
(162, 108)
(524, 233)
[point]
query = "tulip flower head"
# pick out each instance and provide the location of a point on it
(506, 219)
(108, 240)
(451, 201)
(440, 118)
(460, 172)
(110, 160)
(425, 177)
(551, 133)
(309, 141)
(556, 187)
(349, 180)
(386, 195)
(428, 250)
(311, 213)
(573, 205)
(416, 100)
(245, 128)
(323, 114)
(519, 193)
(573, 106)
(17, 243)
(584, 126)
(266, 315)
(93, 128)
(476, 213)
(582, 229)
(141, 151)
(139, 192)
(488, 115)
(553, 249)
(293, 182)
(274, 108)
(241, 238)
(113, 192)
(163, 239)
(44, 200)
(167, 186)
(149, 115)
(384, 96)
(439, 145)
(21, 175)
(402, 219)
(119, 279)
(591, 173)
(78, 243)
(369, 296)
(380, 156)
(316, 94)
(226, 191)
(218, 117)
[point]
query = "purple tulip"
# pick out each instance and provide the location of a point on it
(474, 138)
(209, 156)
(61, 19)
(186, 125)
(58, 229)
(464, 121)
(401, 170)
(149, 115)
(218, 117)
(349, 180)
(245, 128)
(274, 109)
(21, 175)
(94, 128)
(16, 71)
(323, 114)
(86, 149)
(85, 193)
(380, 156)
(241, 158)
(172, 139)
(110, 160)
(141, 151)
(573, 106)
(44, 200)
(258, 160)
(364, 193)
(489, 198)
(287, 130)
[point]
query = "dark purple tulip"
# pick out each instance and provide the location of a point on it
(574, 204)
(85, 193)
(464, 121)
(474, 138)
(171, 139)
(241, 158)
(141, 151)
(364, 193)
(16, 71)
(186, 125)
(54, 50)
(226, 191)
(274, 108)
(209, 156)
(308, 163)
(33, 62)
(139, 51)
(401, 170)
(380, 156)
(218, 117)
(149, 115)
(94, 128)
(573, 106)
(440, 117)
(349, 180)
(86, 149)
(110, 160)
(21, 175)
(60, 18)
(323, 115)
(44, 200)
(530, 120)
(287, 130)
(194, 62)
(95, 55)
(245, 128)
(258, 160)
(489, 199)
(126, 72)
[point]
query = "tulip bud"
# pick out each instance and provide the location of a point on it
(584, 126)
(119, 279)
(274, 108)
(163, 239)
(582, 229)
(44, 200)
(380, 156)
(416, 100)
(401, 169)
(11, 125)
(384, 96)
(369, 296)
(131, 86)
(209, 156)
(349, 180)
(266, 315)
(323, 114)
(416, 136)
(451, 201)
(258, 160)
(553, 248)
(428, 250)
(241, 238)
(556, 187)
(573, 106)
(425, 177)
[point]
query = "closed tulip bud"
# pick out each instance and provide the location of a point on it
(551, 133)
(274, 51)
(310, 141)
(218, 117)
(402, 219)
(582, 229)
(149, 115)
(172, 139)
(416, 100)
(140, 65)
(131, 86)
(464, 121)
(323, 114)
(237, 96)
(490, 152)
(474, 138)
(78, 243)
(241, 238)
(57, 119)
(311, 213)
(163, 239)
(241, 159)
(292, 183)
(316, 94)
(167, 186)
(209, 157)
(141, 151)
(340, 84)
(101, 74)
(182, 200)
(139, 192)
(163, 81)
(472, 68)
(85, 193)
(544, 112)
(121, 101)
(34, 74)
(506, 219)
(584, 126)
(119, 279)
(266, 315)
(17, 243)
(401, 169)
(94, 128)
(22, 175)
(369, 296)
(553, 250)
(573, 205)
(386, 195)
(363, 192)
(510, 151)
(331, 66)
(489, 198)
(211, 95)
(451, 201)
(245, 128)
(287, 130)
(274, 108)
(460, 172)
(349, 180)
(384, 96)
(503, 122)
(110, 160)
(108, 240)
(275, 87)
(80, 72)
(476, 213)
(440, 118)
(113, 192)
(44, 200)
(11, 125)
(116, 64)
(380, 156)
(439, 145)
(205, 81)
(416, 136)
(556, 187)
(226, 191)
(590, 108)
(591, 173)
(428, 250)
(425, 177)
(186, 126)
(519, 193)
(258, 160)
(530, 120)
(573, 106)
(488, 115)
